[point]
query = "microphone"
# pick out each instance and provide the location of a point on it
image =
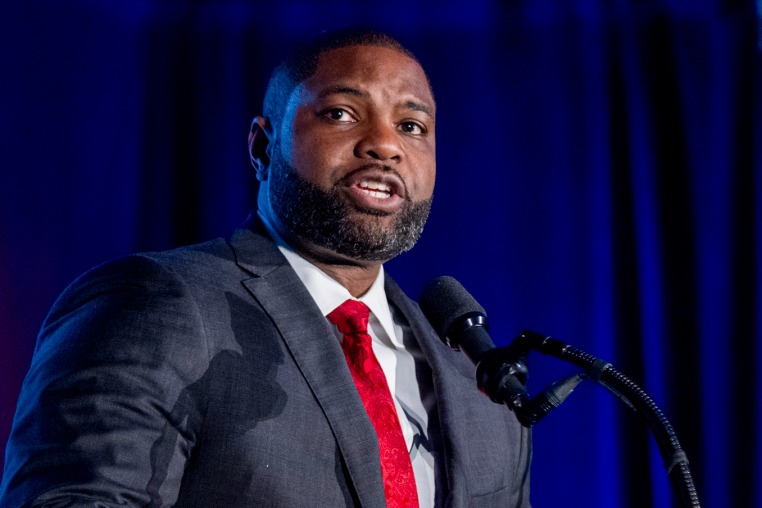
(457, 317)
(462, 324)
(501, 373)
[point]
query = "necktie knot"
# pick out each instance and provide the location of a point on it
(350, 317)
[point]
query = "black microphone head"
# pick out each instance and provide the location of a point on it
(443, 301)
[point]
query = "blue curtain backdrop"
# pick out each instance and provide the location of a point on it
(600, 180)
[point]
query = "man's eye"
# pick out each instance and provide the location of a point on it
(412, 128)
(338, 115)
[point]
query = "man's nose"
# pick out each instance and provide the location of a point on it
(380, 141)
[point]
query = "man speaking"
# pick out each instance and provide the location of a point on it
(281, 367)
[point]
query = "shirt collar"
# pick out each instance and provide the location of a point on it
(329, 294)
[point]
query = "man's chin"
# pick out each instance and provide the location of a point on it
(372, 212)
(373, 235)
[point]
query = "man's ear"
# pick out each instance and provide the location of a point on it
(260, 146)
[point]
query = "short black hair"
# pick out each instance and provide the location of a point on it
(302, 63)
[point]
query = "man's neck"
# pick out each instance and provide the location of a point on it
(357, 278)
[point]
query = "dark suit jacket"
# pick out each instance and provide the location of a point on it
(207, 376)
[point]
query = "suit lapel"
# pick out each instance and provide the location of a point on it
(318, 356)
(450, 385)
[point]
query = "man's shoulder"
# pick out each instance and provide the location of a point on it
(156, 265)
(197, 257)
(196, 267)
(212, 256)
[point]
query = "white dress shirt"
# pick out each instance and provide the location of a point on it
(387, 332)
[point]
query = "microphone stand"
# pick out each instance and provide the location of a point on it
(501, 374)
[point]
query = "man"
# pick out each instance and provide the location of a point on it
(220, 375)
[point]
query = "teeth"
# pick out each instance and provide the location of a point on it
(376, 186)
(375, 193)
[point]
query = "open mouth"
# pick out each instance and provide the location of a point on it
(376, 189)
(373, 188)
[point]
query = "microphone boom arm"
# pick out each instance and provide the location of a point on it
(489, 373)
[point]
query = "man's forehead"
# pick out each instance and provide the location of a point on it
(362, 67)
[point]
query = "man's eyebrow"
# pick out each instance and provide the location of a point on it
(341, 89)
(420, 107)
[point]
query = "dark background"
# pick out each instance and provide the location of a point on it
(599, 180)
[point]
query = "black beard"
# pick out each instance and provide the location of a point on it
(327, 219)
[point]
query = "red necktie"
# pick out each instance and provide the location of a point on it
(351, 317)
